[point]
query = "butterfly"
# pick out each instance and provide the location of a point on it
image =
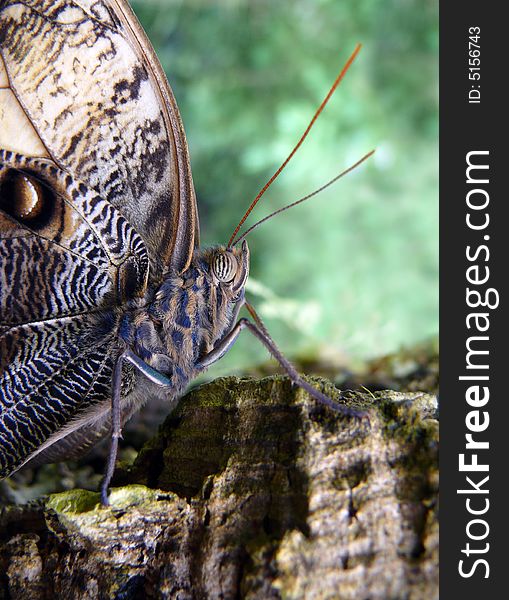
(106, 298)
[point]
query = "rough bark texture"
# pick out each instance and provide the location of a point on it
(250, 490)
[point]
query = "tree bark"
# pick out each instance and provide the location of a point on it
(250, 490)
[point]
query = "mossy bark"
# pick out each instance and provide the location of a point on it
(250, 490)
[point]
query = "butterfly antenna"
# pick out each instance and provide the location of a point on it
(297, 146)
(307, 197)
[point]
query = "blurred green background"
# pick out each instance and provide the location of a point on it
(353, 272)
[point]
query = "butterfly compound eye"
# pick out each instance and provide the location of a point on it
(224, 266)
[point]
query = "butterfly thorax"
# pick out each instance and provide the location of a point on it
(188, 314)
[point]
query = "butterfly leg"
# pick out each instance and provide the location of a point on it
(258, 330)
(116, 420)
(115, 430)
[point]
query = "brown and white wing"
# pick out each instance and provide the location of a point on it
(67, 259)
(83, 79)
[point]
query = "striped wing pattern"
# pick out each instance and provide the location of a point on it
(49, 394)
(60, 284)
(87, 113)
(91, 86)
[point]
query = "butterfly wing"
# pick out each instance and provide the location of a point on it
(87, 79)
(81, 88)
(64, 267)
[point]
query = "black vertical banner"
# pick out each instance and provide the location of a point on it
(474, 233)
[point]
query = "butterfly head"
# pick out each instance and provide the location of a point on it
(218, 275)
(229, 269)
